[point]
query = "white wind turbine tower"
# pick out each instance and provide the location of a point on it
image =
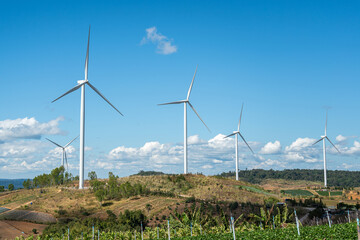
(323, 138)
(64, 156)
(237, 133)
(81, 84)
(185, 102)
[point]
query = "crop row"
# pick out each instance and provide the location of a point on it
(337, 231)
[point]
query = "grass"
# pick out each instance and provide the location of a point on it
(256, 190)
(297, 192)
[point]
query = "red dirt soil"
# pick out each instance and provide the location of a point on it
(11, 229)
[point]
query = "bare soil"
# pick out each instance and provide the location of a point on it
(11, 229)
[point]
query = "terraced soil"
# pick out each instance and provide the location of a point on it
(25, 215)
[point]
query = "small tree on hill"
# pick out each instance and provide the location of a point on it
(92, 175)
(11, 187)
(100, 195)
(27, 184)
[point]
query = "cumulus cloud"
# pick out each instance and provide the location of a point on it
(163, 44)
(195, 140)
(271, 148)
(353, 150)
(201, 154)
(26, 156)
(302, 150)
(28, 128)
(269, 163)
(341, 138)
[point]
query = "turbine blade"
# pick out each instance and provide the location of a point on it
(318, 141)
(54, 142)
(70, 91)
(70, 142)
(332, 144)
(97, 91)
(242, 106)
(198, 116)
(177, 102)
(87, 57)
(230, 135)
(326, 121)
(192, 83)
(246, 143)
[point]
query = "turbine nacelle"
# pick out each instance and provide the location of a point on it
(82, 81)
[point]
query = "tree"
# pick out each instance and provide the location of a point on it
(11, 187)
(92, 175)
(148, 207)
(57, 175)
(27, 184)
(2, 188)
(100, 195)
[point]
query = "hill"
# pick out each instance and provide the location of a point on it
(335, 178)
(154, 198)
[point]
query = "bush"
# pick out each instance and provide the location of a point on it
(61, 212)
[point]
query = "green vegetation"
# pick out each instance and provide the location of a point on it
(297, 192)
(113, 190)
(58, 176)
(337, 231)
(148, 173)
(11, 187)
(336, 178)
(255, 190)
(2, 188)
(326, 193)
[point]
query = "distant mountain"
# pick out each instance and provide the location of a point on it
(18, 183)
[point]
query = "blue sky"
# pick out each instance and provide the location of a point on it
(286, 60)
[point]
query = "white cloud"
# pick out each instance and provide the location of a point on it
(27, 128)
(302, 150)
(217, 161)
(163, 44)
(300, 144)
(271, 148)
(353, 150)
(269, 163)
(207, 167)
(88, 148)
(195, 140)
(341, 138)
(201, 154)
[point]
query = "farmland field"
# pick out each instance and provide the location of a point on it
(297, 192)
(326, 193)
(256, 190)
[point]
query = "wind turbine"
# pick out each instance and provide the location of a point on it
(237, 133)
(81, 84)
(64, 157)
(323, 138)
(185, 102)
